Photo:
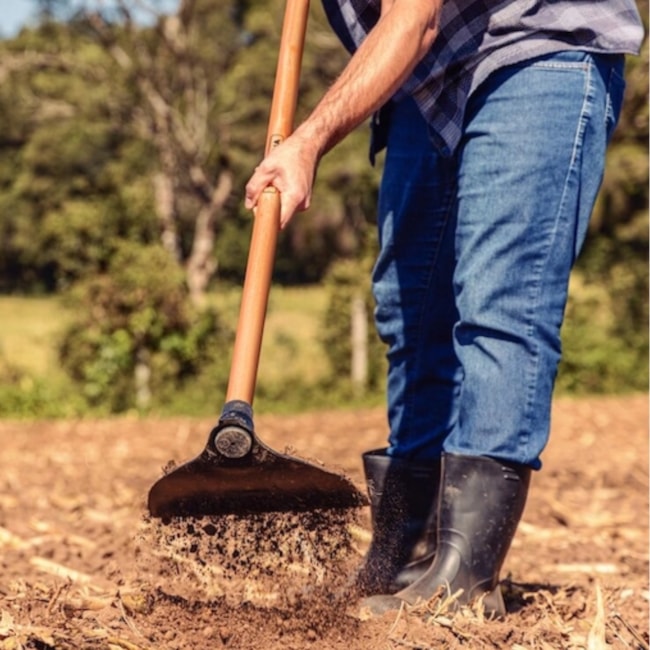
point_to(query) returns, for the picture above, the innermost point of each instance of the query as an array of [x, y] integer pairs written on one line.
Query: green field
[[290, 346], [30, 327], [294, 371]]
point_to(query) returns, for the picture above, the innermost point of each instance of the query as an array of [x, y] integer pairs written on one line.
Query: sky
[[14, 14]]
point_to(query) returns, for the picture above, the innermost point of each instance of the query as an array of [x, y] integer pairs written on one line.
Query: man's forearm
[[399, 40], [385, 59]]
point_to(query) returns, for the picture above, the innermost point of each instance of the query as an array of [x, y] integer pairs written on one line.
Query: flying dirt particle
[[209, 529], [269, 560], [169, 467]]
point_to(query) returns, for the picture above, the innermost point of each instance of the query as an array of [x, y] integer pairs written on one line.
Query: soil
[[82, 566]]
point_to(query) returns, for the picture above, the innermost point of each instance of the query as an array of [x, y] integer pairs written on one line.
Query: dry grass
[[571, 618], [77, 571]]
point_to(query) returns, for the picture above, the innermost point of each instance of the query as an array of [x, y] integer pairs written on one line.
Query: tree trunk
[[359, 339], [201, 263], [176, 120], [164, 196], [142, 379]]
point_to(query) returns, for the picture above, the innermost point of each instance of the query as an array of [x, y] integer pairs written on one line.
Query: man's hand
[[290, 168]]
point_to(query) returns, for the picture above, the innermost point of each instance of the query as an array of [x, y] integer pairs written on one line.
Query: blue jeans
[[475, 254]]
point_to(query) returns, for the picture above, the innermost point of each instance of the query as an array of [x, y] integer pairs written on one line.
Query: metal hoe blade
[[237, 474]]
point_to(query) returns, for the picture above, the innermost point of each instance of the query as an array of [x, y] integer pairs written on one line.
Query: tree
[[135, 338], [72, 182], [174, 76], [154, 130]]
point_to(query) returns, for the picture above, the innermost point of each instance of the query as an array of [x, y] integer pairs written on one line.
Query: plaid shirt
[[477, 37]]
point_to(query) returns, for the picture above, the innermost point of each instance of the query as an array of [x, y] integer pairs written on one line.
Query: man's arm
[[402, 36]]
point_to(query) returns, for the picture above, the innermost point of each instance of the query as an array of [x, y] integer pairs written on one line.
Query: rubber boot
[[403, 505], [481, 502]]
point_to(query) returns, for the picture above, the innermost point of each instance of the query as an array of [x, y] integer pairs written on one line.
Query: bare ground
[[82, 566]]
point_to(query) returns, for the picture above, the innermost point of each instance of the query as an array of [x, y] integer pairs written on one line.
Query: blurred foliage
[[95, 108], [347, 280], [24, 396], [138, 315], [78, 131]]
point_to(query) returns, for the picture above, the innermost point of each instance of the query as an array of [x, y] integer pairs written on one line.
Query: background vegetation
[[124, 148]]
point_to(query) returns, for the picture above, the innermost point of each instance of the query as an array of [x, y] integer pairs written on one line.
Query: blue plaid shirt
[[477, 37]]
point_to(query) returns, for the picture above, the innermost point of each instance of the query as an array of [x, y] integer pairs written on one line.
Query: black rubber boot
[[481, 502], [403, 505]]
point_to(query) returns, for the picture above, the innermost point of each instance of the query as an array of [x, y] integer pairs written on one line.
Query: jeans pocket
[[615, 93]]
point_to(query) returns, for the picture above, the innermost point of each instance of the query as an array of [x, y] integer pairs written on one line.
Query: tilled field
[[82, 567]]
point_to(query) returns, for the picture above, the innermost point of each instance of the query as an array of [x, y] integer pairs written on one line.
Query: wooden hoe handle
[[266, 225]]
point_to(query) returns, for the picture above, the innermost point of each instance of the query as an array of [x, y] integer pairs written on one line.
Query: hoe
[[237, 473]]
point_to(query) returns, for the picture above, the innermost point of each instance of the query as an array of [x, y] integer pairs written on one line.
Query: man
[[495, 116]]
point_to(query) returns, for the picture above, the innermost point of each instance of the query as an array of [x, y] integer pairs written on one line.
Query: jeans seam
[[408, 402], [566, 65], [575, 154]]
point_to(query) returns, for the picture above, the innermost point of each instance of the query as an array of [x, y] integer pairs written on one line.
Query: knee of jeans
[[388, 322]]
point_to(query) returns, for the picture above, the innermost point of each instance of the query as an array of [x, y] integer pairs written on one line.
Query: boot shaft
[[481, 502], [403, 496], [403, 508]]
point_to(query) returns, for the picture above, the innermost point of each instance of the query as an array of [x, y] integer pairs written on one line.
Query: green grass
[[293, 362], [29, 328], [290, 346]]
